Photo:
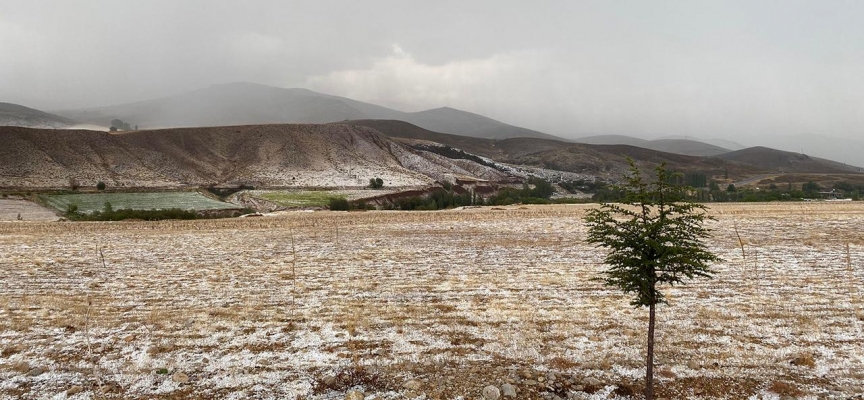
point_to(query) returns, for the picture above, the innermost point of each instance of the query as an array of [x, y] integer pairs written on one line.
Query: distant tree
[[653, 238], [112, 129], [71, 209], [339, 204], [731, 188], [108, 209], [73, 183], [136, 127], [100, 185], [811, 188], [376, 183], [119, 124]]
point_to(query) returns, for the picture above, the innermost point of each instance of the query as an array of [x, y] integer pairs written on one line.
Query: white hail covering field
[[434, 305]]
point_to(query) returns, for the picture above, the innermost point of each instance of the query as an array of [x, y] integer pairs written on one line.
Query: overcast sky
[[724, 69]]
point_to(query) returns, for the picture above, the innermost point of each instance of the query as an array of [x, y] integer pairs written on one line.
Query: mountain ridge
[[242, 103]]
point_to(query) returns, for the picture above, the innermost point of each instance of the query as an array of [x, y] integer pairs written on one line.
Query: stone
[[354, 395], [693, 364], [129, 338], [74, 390], [180, 377], [592, 381], [491, 393], [412, 385], [508, 390], [37, 371], [330, 381]]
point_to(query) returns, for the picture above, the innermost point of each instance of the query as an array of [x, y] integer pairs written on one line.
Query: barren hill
[[248, 103], [688, 147], [18, 115], [262, 155], [784, 161]]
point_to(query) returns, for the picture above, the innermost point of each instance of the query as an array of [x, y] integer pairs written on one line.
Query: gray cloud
[[730, 69]]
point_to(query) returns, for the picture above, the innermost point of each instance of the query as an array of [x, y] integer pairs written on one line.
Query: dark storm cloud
[[731, 69]]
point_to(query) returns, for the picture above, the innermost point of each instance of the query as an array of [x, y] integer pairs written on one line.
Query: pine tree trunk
[[649, 370]]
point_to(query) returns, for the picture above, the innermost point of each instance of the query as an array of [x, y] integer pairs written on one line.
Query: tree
[[100, 185], [654, 237], [376, 183]]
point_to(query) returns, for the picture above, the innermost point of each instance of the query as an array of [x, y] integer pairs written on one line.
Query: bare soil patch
[[435, 304]]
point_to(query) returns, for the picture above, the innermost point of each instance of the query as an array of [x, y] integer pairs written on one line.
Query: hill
[[785, 162], [18, 115], [260, 155], [688, 147], [248, 103], [607, 161]]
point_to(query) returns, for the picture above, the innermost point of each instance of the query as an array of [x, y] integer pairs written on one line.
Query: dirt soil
[[434, 305]]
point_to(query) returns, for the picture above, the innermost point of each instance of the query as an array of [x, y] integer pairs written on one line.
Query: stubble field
[[435, 305]]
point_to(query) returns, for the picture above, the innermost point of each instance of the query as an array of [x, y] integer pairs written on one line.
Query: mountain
[[259, 155], [607, 161], [785, 162], [686, 146], [18, 115], [451, 120], [248, 103], [845, 150], [612, 139]]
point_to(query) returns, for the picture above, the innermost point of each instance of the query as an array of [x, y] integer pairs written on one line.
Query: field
[[89, 202], [13, 208], [434, 305], [313, 198]]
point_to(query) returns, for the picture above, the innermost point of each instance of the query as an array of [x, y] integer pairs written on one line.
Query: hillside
[[262, 156], [248, 103], [18, 115], [688, 147], [784, 161], [607, 161]]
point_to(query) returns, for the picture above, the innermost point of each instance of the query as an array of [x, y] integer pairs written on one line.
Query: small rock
[[180, 377], [491, 393], [37, 371], [592, 381], [330, 381], [508, 390], [693, 364], [526, 374], [412, 385], [354, 395], [74, 390], [264, 362], [129, 338], [530, 382]]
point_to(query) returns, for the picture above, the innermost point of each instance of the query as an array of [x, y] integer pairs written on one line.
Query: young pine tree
[[653, 237]]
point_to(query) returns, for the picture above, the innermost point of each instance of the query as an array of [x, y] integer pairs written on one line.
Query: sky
[[713, 69]]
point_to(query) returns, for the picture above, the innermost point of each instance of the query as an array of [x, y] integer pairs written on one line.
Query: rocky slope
[[18, 115], [258, 155]]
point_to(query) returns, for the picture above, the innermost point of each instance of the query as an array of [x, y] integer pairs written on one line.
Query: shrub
[[100, 185], [339, 204], [376, 183]]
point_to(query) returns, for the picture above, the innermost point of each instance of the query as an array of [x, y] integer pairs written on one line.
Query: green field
[[87, 203], [311, 198]]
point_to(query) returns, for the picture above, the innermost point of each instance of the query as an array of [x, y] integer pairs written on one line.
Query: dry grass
[[461, 299]]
